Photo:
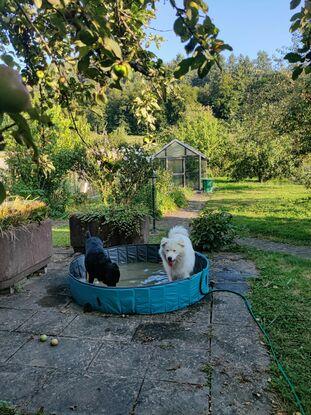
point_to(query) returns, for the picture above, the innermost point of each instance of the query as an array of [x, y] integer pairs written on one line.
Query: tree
[[199, 128], [77, 49], [301, 23], [256, 150]]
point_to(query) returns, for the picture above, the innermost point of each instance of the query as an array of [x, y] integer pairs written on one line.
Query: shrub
[[179, 196], [303, 173], [212, 230], [124, 220], [21, 212]]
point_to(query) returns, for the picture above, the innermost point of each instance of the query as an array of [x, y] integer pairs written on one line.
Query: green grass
[[280, 211], [281, 297], [61, 236]]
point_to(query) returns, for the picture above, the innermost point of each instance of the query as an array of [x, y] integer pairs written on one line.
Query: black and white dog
[[97, 264]]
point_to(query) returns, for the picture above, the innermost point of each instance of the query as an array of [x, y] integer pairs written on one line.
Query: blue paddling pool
[[162, 297]]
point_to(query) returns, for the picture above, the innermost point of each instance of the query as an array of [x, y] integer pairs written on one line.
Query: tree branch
[[7, 127], [179, 13]]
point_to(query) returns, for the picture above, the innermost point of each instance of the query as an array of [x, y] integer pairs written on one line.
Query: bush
[[303, 173], [212, 230], [21, 212], [124, 220], [178, 195]]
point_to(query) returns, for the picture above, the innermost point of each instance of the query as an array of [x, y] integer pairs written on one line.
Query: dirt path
[[183, 216]]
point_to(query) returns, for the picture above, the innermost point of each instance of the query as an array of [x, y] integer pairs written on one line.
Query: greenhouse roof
[[172, 149]]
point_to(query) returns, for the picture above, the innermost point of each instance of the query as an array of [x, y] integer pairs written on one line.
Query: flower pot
[[104, 231], [24, 251]]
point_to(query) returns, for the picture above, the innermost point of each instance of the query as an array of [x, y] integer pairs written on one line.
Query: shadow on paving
[[207, 358]]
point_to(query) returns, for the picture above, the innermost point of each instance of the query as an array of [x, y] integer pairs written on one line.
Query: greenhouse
[[188, 165]]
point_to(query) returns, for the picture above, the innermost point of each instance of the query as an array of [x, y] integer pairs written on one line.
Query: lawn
[[60, 235], [281, 297], [280, 211]]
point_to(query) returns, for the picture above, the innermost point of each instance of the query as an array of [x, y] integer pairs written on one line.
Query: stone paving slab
[[170, 398], [69, 393], [239, 397], [193, 361], [229, 308], [238, 346], [10, 342], [50, 322], [179, 335], [19, 383], [99, 327], [122, 359], [74, 354], [183, 366], [40, 292], [241, 288], [11, 319]]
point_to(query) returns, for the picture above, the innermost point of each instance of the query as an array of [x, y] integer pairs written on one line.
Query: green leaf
[[205, 68], [92, 73], [295, 26], [24, 131], [55, 3], [184, 67], [295, 17], [8, 59], [112, 46], [225, 46], [2, 192], [192, 15], [180, 28], [191, 45], [294, 3], [83, 64], [293, 57], [296, 72], [87, 37], [38, 3], [208, 25], [2, 5], [100, 99]]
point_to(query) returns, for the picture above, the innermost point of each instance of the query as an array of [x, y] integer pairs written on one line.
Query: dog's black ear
[[164, 242]]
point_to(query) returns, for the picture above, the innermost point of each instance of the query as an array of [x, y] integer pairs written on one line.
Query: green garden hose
[[270, 344]]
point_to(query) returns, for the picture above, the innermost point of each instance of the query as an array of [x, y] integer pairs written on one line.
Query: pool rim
[[88, 284]]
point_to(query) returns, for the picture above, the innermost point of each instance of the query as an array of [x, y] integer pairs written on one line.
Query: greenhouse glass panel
[[176, 165], [192, 172], [175, 150]]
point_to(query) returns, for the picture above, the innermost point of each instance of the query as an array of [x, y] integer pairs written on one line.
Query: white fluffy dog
[[177, 254]]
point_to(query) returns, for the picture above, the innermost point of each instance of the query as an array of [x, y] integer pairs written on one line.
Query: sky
[[247, 25]]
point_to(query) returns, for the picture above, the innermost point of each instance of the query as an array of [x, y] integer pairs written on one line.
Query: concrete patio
[[207, 359]]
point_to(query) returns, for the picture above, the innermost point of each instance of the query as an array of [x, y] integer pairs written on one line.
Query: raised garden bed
[[108, 228], [25, 240]]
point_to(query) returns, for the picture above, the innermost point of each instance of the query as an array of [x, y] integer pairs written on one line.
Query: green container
[[207, 185]]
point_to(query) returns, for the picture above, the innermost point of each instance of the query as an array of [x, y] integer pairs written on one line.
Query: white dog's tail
[[178, 230]]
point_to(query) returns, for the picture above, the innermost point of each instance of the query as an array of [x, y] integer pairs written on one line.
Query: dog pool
[[143, 287], [141, 274]]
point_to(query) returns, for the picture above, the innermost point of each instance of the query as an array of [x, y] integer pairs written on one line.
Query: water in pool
[[141, 273]]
